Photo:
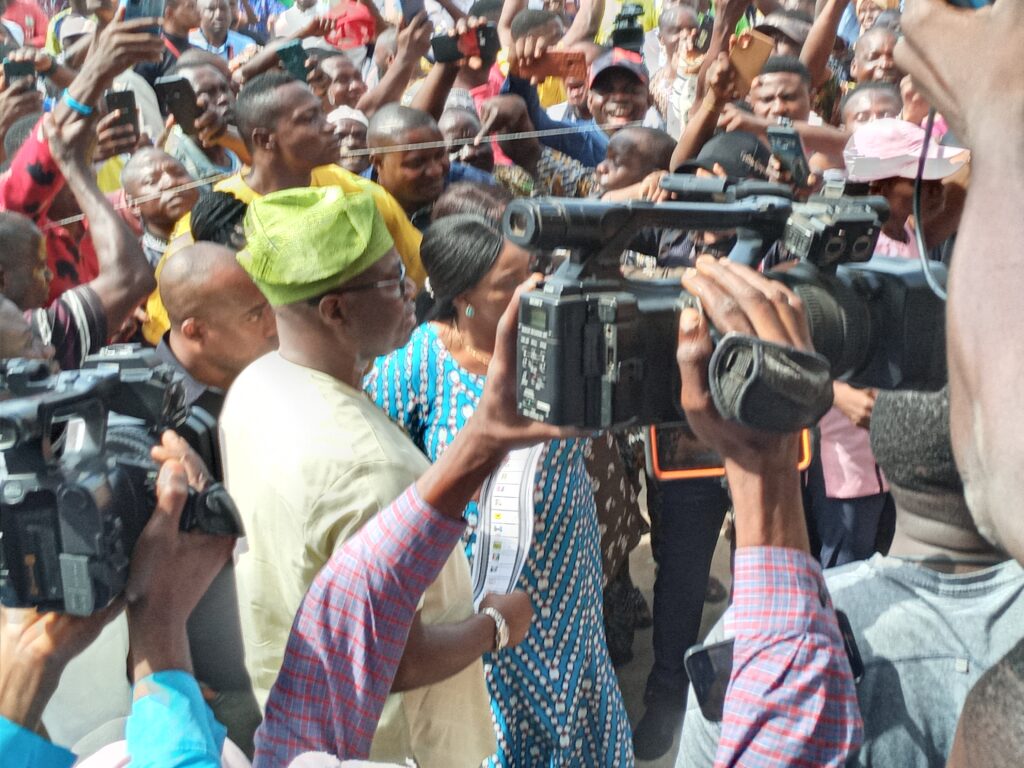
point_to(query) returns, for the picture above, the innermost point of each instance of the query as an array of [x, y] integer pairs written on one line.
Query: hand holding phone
[[481, 42], [748, 56], [177, 98], [123, 102], [293, 57], [144, 9], [16, 70], [786, 145], [569, 65]]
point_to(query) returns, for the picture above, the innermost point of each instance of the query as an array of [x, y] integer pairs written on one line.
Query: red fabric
[[353, 26], [30, 17], [29, 187]]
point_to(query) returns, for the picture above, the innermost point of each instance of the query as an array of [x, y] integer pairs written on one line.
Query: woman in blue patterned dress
[[555, 699]]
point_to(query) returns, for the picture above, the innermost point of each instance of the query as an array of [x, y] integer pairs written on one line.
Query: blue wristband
[[83, 109]]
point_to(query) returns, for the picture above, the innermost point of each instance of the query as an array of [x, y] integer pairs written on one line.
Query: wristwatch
[[500, 627]]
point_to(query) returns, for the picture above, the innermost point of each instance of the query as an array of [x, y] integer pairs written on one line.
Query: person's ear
[[263, 138], [332, 309], [193, 329]]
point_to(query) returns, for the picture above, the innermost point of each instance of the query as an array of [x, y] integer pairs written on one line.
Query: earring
[[469, 310]]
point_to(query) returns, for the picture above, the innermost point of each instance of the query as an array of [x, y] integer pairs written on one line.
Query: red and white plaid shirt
[[791, 698]]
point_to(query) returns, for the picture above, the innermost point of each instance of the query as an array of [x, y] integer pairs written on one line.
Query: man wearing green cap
[[309, 459], [292, 145]]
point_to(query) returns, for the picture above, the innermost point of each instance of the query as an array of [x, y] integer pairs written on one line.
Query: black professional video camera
[[598, 351], [77, 482], [627, 30]]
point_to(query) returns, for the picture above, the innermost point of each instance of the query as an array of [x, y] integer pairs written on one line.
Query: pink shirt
[[847, 462]]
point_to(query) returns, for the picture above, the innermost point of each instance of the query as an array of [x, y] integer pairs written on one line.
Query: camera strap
[[769, 386]]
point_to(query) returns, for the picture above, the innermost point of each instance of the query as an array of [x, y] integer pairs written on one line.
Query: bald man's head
[[390, 123], [220, 322]]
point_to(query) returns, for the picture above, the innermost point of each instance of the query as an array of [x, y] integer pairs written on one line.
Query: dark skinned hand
[[413, 40], [966, 63], [19, 99], [114, 138], [736, 298]]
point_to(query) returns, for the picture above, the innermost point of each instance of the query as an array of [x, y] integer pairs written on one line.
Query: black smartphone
[[710, 667], [293, 59], [144, 9], [482, 41], [786, 145], [702, 41], [970, 3], [410, 8], [125, 102], [177, 98], [16, 70]]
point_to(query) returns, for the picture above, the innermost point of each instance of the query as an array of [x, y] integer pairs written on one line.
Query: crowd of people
[[298, 208]]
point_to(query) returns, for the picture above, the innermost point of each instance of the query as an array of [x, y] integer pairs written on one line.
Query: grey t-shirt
[[925, 638]]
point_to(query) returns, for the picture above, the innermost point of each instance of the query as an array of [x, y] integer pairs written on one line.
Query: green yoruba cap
[[303, 242]]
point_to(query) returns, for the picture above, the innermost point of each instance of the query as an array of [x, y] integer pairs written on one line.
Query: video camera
[[627, 30], [76, 479], [597, 351]]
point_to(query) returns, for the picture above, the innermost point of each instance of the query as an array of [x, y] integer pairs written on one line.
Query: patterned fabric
[[614, 472], [554, 698], [559, 175], [29, 187], [75, 324], [350, 633], [791, 699]]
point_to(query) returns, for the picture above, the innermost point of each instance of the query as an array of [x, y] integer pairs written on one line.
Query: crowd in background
[[298, 208]]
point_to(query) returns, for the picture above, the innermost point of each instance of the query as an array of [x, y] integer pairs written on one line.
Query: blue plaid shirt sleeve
[[791, 698], [350, 633]]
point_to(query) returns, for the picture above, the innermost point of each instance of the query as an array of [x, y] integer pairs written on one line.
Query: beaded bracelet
[[83, 109]]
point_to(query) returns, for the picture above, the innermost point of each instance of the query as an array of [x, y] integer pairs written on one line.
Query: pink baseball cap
[[888, 148]]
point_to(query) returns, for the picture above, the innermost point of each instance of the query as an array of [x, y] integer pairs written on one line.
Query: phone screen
[[410, 8]]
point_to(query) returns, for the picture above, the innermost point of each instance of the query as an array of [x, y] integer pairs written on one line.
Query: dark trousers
[[846, 530], [686, 518]]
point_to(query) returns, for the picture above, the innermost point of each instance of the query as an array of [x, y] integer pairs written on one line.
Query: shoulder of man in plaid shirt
[[791, 698], [350, 632]]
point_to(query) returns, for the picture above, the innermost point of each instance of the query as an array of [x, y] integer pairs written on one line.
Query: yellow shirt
[[308, 460], [407, 238]]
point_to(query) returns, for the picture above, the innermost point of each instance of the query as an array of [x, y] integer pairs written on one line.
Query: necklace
[[481, 357]]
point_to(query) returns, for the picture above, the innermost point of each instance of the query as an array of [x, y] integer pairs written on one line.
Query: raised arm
[[821, 40], [125, 276], [412, 45], [791, 697], [586, 24], [702, 123]]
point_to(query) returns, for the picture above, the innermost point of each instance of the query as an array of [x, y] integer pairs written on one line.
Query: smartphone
[[16, 70], [786, 145], [482, 41], [144, 9], [293, 58], [748, 57], [125, 102], [177, 98], [702, 41], [565, 64], [410, 8], [970, 3], [710, 667]]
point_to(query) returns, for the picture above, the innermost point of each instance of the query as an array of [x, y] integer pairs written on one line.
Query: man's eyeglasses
[[386, 284]]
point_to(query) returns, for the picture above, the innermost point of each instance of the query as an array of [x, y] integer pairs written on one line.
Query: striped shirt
[[350, 633], [791, 698]]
